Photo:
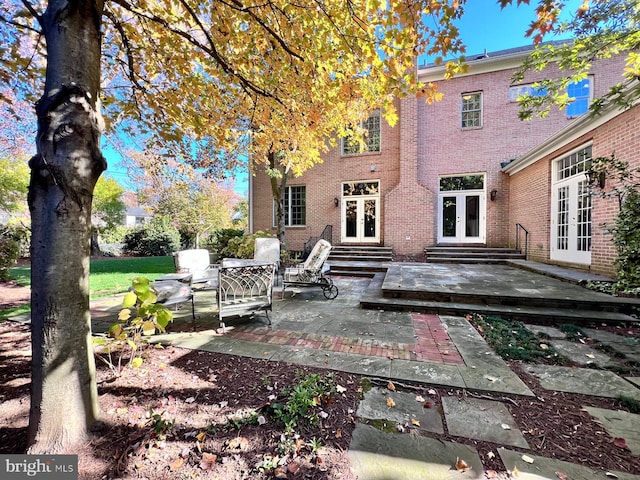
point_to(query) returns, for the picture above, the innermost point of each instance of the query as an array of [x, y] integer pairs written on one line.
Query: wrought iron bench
[[244, 289]]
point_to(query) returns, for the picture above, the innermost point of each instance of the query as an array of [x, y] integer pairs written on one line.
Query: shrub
[[113, 234], [20, 234], [626, 238], [155, 238], [243, 247], [9, 254], [219, 241]]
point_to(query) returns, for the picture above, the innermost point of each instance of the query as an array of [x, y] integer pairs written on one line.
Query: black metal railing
[[520, 227], [327, 234]]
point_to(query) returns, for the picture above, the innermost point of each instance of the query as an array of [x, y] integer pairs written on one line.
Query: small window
[[372, 137], [471, 110], [295, 206], [574, 164], [581, 93]]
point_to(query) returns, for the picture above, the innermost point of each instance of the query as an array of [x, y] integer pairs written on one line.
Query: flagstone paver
[[405, 410], [619, 424], [546, 331], [581, 354], [377, 455], [545, 468], [624, 344], [599, 383], [480, 419]]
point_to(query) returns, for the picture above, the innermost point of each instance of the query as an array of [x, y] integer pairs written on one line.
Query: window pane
[[465, 182], [372, 138], [471, 110], [580, 91]]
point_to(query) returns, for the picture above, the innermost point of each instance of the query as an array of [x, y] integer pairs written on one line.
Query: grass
[[513, 341], [107, 277]]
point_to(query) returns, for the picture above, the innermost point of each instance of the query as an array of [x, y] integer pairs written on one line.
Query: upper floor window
[[372, 137], [581, 92], [471, 110], [295, 206]]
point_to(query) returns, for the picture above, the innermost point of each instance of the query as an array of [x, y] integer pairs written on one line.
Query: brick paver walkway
[[432, 342]]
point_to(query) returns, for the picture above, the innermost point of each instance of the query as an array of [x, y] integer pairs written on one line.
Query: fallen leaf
[[527, 458], [293, 468], [238, 443], [201, 436], [491, 474], [261, 420], [590, 355], [427, 404], [340, 389], [280, 472], [611, 475], [461, 465], [515, 472], [190, 400], [415, 422], [620, 442], [400, 427], [419, 398], [505, 426], [176, 464], [339, 433], [391, 386], [390, 402], [432, 392], [208, 461], [491, 455], [561, 476], [544, 346]]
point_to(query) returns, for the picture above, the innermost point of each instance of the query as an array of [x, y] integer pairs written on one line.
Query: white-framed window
[[582, 93], [372, 137], [295, 206], [471, 110]]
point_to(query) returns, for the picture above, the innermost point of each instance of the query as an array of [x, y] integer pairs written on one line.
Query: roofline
[[483, 63]]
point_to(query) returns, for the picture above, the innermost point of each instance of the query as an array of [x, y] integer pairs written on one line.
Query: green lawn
[[108, 276]]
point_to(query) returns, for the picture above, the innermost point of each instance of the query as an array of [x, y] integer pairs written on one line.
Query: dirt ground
[[183, 413]]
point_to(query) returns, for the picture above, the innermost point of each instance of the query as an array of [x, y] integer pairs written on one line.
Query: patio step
[[359, 260], [375, 299], [470, 254]]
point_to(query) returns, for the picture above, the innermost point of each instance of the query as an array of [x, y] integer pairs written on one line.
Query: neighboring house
[[136, 216], [460, 171]]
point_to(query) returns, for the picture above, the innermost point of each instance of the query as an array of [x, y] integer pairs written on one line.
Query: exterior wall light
[[336, 201], [493, 195]]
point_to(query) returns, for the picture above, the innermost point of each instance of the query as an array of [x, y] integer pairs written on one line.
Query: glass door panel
[[449, 217], [351, 219], [370, 215]]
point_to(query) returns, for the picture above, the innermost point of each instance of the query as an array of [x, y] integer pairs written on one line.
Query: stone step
[[346, 257], [373, 299], [472, 260], [461, 255], [512, 300]]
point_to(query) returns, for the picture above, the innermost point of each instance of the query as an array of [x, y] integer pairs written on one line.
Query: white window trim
[[366, 152], [477, 92], [273, 210]]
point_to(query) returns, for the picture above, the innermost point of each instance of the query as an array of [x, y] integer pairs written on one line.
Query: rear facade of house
[[467, 171]]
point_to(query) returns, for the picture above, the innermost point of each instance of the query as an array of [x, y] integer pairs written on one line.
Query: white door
[[360, 212], [571, 221], [461, 217], [360, 220]]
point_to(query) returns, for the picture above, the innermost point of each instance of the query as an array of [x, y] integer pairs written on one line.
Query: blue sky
[[484, 26]]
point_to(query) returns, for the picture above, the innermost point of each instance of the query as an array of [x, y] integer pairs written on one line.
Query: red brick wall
[[324, 183], [445, 148], [531, 187]]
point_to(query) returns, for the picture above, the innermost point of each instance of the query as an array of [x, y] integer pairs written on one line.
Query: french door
[[461, 210], [571, 209], [360, 212]]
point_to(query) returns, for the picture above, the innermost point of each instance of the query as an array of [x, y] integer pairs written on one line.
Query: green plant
[[310, 392], [157, 237], [573, 332], [9, 254], [626, 238], [139, 318], [314, 444], [113, 234], [220, 239], [159, 424], [243, 246], [631, 403], [513, 341]]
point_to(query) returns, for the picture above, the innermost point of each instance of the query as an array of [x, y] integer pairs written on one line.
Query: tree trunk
[[277, 190], [63, 175]]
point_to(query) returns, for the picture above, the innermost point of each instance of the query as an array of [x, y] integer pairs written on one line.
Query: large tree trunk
[[64, 172], [278, 191]]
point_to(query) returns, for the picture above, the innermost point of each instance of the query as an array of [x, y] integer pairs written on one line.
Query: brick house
[[461, 171]]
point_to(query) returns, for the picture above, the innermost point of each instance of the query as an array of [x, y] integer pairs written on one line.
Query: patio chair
[[312, 272], [196, 262]]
